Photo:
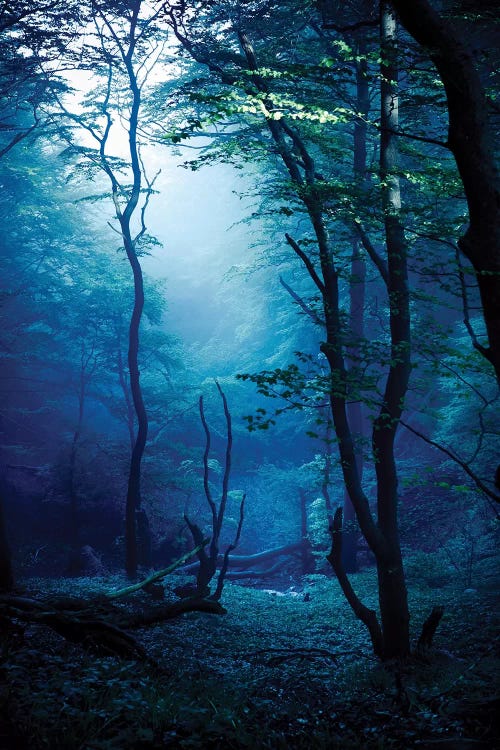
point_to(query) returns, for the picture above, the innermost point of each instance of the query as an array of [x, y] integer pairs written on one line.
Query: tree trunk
[[471, 140], [384, 545], [392, 588], [305, 551], [365, 614], [134, 479], [133, 503], [122, 376], [381, 536], [75, 562], [357, 307], [246, 561]]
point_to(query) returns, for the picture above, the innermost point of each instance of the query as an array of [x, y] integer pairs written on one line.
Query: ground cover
[[282, 669]]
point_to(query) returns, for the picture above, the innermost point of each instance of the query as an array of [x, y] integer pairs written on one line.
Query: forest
[[250, 371]]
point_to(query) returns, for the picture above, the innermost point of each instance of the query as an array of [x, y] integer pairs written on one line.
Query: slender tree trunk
[[133, 503], [357, 307], [325, 484], [471, 140], [122, 376], [75, 566], [134, 479], [392, 587]]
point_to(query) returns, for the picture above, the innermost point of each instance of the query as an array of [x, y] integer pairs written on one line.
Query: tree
[[471, 140], [392, 638], [208, 563], [124, 47], [241, 56], [64, 307], [24, 96]]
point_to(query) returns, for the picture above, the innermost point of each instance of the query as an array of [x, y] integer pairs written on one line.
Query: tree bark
[[471, 140], [392, 588], [87, 367], [122, 377], [350, 533], [363, 613], [133, 502], [429, 628]]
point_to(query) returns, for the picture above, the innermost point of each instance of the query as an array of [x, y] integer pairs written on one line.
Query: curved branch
[[206, 453], [367, 616], [307, 262], [227, 466], [477, 481], [314, 316], [377, 259]]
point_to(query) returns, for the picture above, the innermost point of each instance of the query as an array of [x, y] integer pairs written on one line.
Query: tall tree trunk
[[75, 563], [357, 307], [87, 367], [392, 589], [471, 140], [382, 537], [133, 505], [122, 376]]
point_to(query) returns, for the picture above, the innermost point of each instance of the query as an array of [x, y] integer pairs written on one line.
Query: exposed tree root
[[282, 655]]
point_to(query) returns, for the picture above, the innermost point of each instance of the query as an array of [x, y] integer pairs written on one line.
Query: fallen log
[[171, 611], [238, 575], [81, 626], [245, 561], [156, 576], [98, 636], [90, 626]]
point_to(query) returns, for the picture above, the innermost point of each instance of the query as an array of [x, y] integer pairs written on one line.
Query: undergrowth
[[281, 670]]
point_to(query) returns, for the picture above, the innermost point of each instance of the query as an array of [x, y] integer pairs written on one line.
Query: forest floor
[[290, 669]]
